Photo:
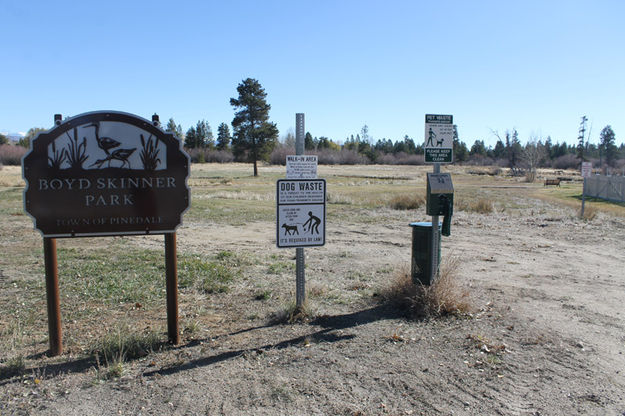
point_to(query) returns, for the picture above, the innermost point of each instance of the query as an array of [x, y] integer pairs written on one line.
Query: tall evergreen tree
[[607, 144], [223, 136], [324, 143], [478, 148], [499, 151], [190, 138], [204, 134], [254, 136], [309, 142], [174, 128]]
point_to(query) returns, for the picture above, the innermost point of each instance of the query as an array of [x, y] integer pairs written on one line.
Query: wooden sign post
[[106, 174]]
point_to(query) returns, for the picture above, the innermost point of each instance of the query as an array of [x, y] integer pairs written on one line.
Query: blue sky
[[536, 66]]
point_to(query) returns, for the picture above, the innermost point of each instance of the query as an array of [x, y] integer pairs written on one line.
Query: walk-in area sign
[[301, 212], [439, 138], [301, 167]]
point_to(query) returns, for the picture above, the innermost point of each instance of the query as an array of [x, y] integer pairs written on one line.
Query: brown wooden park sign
[[106, 174]]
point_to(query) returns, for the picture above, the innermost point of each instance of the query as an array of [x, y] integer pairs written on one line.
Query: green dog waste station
[[421, 264], [426, 244]]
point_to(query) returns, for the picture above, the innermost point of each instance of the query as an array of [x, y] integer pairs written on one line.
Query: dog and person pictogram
[[431, 138], [312, 224]]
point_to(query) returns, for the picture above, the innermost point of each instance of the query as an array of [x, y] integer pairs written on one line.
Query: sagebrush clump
[[444, 297]]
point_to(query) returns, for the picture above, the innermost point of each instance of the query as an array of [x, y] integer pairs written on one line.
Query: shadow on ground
[[323, 326]]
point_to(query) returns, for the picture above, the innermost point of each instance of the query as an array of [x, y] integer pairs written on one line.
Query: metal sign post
[[438, 147], [300, 277], [435, 237]]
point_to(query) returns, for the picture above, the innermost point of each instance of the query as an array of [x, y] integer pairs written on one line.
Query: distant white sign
[[586, 169], [301, 167], [301, 213], [439, 138]]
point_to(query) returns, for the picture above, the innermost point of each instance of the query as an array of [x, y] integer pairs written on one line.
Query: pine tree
[[254, 136], [223, 136], [607, 145], [190, 139], [309, 143], [174, 128], [204, 135]]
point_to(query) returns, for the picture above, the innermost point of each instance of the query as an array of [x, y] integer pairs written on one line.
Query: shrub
[[279, 154], [479, 160], [444, 297], [481, 206], [568, 161], [400, 158], [11, 155], [219, 156], [199, 155], [405, 202]]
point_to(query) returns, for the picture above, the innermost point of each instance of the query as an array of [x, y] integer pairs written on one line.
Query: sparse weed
[[264, 295], [120, 346], [280, 267], [444, 297], [205, 277], [191, 328], [14, 366], [293, 314], [317, 291]]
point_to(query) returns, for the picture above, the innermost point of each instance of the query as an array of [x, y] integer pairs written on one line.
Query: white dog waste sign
[[301, 212]]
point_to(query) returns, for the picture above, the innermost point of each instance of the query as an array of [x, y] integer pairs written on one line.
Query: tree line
[[254, 138]]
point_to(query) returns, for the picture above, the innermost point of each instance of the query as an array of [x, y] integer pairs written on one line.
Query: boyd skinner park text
[[95, 199]]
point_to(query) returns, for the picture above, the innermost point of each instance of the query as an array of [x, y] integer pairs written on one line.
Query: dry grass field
[[530, 320]]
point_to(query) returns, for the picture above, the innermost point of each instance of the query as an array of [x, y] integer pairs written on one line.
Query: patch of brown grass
[[445, 297], [406, 202], [293, 314], [481, 206], [589, 213]]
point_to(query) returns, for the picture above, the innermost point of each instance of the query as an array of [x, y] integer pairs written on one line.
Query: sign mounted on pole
[[586, 169], [301, 212], [301, 167], [439, 138], [102, 174], [106, 173]]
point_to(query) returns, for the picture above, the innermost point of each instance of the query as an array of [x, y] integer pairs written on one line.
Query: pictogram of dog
[[290, 229]]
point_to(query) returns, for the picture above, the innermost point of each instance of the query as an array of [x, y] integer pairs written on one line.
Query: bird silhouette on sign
[[119, 154], [104, 143]]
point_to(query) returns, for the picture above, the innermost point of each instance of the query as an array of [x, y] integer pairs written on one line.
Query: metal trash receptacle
[[421, 257]]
